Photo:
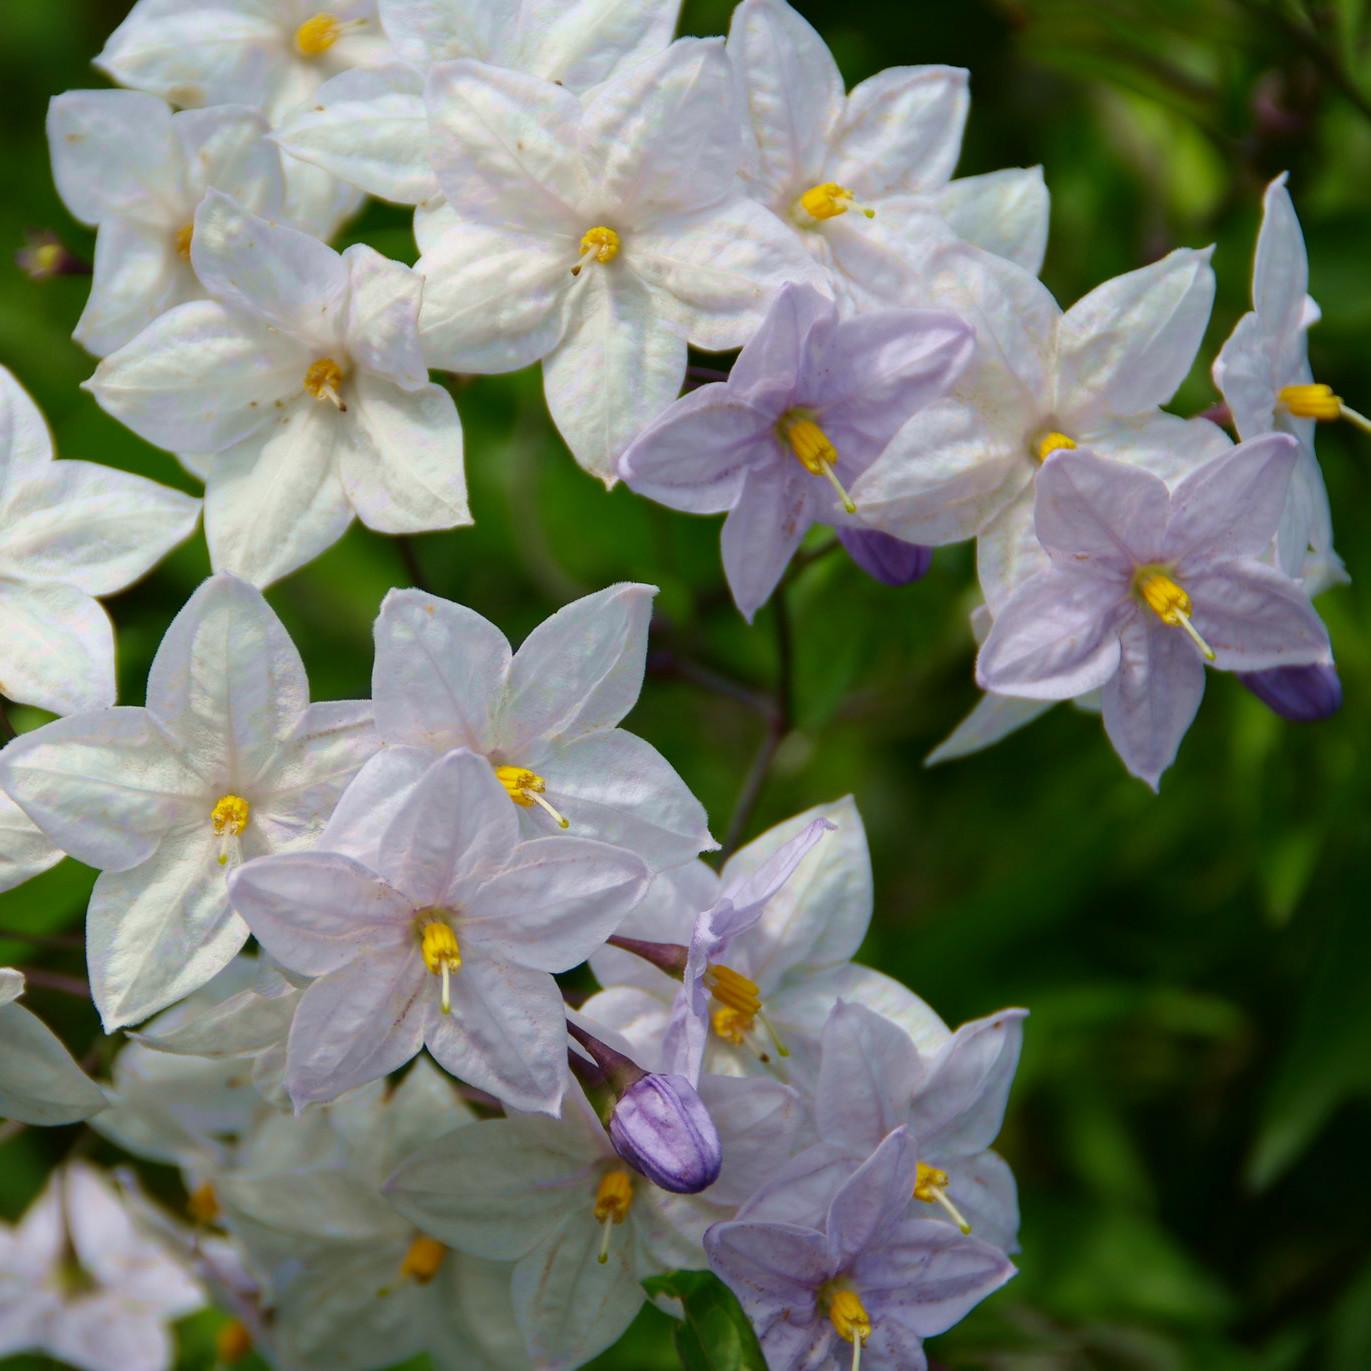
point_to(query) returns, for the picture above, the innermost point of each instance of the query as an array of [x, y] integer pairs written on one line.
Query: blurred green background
[[1190, 1129]]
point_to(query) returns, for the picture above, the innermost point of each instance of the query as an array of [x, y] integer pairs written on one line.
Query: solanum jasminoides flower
[[865, 1288], [39, 1081], [809, 407], [862, 179], [442, 933], [598, 234], [1263, 373], [1145, 586], [297, 391], [544, 718], [228, 760]]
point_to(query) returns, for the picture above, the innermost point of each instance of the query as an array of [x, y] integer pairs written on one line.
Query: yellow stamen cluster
[[184, 235], [1050, 443], [598, 244], [202, 1204], [813, 449], [1169, 601], [441, 954], [232, 1343], [229, 818], [740, 1006], [1310, 402], [526, 789], [324, 381], [422, 1260], [317, 35], [930, 1186], [613, 1200], [826, 201]]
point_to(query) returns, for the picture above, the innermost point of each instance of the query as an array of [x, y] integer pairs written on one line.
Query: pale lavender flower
[[811, 403], [1145, 586], [869, 1287]]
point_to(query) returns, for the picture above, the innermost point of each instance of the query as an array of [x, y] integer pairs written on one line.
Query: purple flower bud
[[1303, 694], [884, 558], [661, 1128]]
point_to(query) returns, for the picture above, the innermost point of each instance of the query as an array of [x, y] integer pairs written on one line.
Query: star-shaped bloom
[[80, 1282], [1263, 373], [369, 126], [544, 718], [125, 164], [69, 531], [869, 1286], [444, 935], [1043, 381], [596, 233], [228, 760], [39, 1081], [302, 380], [1145, 585], [863, 178], [810, 405]]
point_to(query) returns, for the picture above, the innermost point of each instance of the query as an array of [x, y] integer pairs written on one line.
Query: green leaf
[[715, 1334]]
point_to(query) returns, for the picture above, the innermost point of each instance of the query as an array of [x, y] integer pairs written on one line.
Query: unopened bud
[[884, 557], [661, 1128], [1303, 694]]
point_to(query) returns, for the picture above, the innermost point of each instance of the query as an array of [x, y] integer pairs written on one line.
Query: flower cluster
[[341, 925]]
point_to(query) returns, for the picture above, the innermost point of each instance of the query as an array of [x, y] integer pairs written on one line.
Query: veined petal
[[1151, 700], [427, 31], [1245, 374], [1108, 515], [1005, 212], [1164, 444], [25, 443], [25, 852], [1128, 344], [579, 43], [371, 800], [1280, 272], [93, 527], [762, 531], [1231, 506], [161, 929], [200, 379], [59, 647], [792, 94], [580, 670], [1008, 552], [873, 1199], [662, 136], [226, 147], [381, 324], [1254, 617], [1056, 637], [137, 277], [401, 458], [618, 366], [960, 1108], [901, 131], [368, 127], [867, 1076], [993, 718]]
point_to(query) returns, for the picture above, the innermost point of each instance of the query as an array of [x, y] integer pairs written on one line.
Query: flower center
[[526, 788], [849, 1318], [184, 235], [320, 32], [229, 818], [930, 1186], [323, 381], [1167, 599], [739, 1008], [1050, 443], [827, 200], [813, 449], [613, 1200], [598, 244], [438, 947], [202, 1204], [422, 1260]]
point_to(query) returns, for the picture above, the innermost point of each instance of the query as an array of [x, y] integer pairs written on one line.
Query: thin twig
[[63, 940], [7, 730], [409, 555], [56, 980]]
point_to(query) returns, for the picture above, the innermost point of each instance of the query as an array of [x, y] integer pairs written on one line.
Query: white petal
[[617, 368], [1008, 551], [317, 202], [1280, 273], [25, 444], [580, 43], [381, 328], [1004, 212], [1246, 377], [137, 277], [25, 851], [401, 461], [93, 527], [993, 718], [40, 1083], [226, 147], [427, 31], [59, 647]]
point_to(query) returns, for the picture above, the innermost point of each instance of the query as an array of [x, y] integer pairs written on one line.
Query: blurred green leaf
[[715, 1334]]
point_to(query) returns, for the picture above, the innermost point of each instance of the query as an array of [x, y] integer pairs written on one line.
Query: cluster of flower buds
[[396, 1134]]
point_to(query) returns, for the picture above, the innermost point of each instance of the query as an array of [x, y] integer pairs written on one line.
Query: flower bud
[[661, 1128], [1303, 694], [884, 558]]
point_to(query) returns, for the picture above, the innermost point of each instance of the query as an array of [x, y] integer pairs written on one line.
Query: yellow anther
[[324, 380], [930, 1186], [526, 788], [184, 235], [229, 818], [826, 201], [232, 1343], [422, 1260], [613, 1200], [441, 954], [599, 244], [202, 1204], [740, 1007], [730, 1025], [1170, 603], [1310, 402], [1050, 443], [813, 449], [319, 33]]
